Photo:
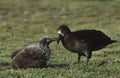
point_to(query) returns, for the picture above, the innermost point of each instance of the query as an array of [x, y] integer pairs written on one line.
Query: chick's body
[[32, 55]]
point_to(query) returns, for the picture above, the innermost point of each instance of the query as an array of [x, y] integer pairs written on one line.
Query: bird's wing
[[15, 52], [90, 35], [33, 53]]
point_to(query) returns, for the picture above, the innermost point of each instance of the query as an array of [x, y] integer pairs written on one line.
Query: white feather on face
[[59, 32]]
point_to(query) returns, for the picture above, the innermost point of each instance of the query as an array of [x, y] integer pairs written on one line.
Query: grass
[[24, 22]]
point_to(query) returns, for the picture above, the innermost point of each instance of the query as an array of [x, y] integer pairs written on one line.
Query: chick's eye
[[48, 40]]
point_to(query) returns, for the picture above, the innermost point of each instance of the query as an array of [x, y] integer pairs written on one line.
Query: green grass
[[24, 22]]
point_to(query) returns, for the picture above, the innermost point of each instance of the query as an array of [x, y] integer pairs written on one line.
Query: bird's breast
[[74, 45]]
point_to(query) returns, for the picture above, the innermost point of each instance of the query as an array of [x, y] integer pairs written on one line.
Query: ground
[[24, 22]]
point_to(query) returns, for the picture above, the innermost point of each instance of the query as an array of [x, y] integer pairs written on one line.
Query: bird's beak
[[59, 38], [54, 39]]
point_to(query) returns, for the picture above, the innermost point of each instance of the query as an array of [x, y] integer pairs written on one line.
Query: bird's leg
[[88, 55], [87, 61], [79, 57]]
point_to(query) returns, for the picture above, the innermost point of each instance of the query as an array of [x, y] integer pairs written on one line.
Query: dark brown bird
[[83, 42], [32, 55]]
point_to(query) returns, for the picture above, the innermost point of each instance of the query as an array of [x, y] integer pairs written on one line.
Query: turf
[[24, 22]]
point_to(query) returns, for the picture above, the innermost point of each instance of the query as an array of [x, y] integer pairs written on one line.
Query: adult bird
[[32, 55], [82, 42]]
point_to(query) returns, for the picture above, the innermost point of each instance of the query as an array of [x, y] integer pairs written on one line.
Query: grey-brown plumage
[[83, 42], [32, 55]]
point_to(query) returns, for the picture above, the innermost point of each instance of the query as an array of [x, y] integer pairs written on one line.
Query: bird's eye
[[48, 40]]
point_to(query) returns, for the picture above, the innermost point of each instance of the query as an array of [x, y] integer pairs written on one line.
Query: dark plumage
[[83, 42], [15, 52], [32, 55]]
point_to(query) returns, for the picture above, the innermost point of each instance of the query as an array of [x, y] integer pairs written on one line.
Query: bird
[[32, 55], [83, 42]]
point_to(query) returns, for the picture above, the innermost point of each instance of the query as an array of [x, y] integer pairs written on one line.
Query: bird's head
[[46, 40], [62, 31]]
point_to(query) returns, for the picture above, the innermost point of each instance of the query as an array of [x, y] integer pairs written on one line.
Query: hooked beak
[[59, 38]]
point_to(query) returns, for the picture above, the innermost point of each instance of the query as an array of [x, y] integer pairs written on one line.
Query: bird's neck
[[67, 33]]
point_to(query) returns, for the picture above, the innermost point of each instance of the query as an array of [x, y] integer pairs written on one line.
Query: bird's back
[[89, 34], [93, 38], [86, 39], [38, 52]]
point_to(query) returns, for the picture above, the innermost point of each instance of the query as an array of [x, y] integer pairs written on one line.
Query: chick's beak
[[54, 39], [59, 38]]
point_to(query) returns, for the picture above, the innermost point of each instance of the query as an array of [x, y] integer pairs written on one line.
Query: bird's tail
[[114, 41]]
